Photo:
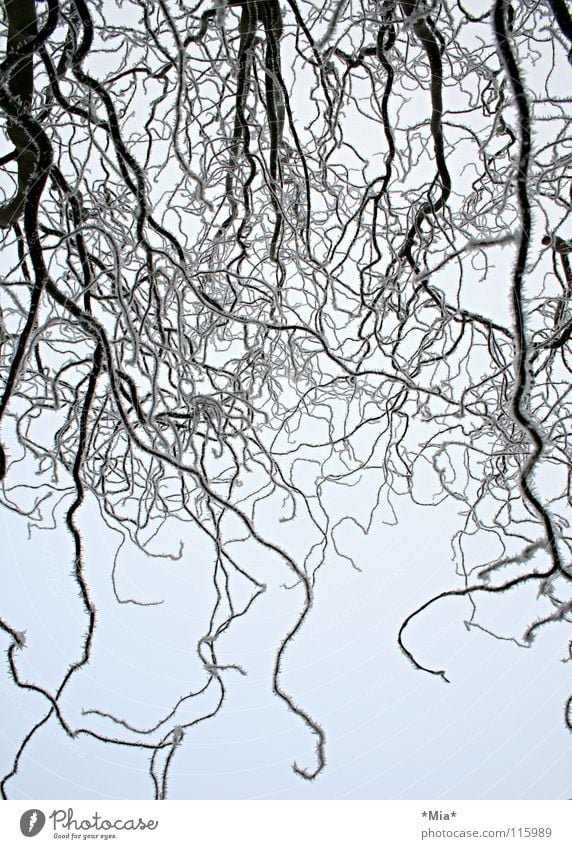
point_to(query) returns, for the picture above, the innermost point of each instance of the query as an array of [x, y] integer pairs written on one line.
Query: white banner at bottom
[[288, 824]]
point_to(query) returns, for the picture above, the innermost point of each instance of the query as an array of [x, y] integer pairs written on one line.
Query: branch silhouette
[[254, 293]]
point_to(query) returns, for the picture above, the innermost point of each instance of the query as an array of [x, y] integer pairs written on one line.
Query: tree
[[253, 262]]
